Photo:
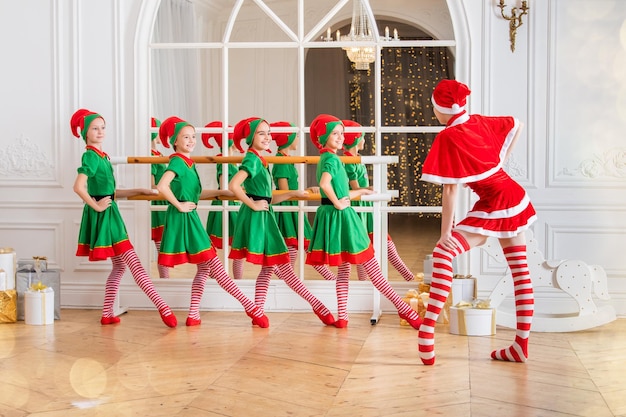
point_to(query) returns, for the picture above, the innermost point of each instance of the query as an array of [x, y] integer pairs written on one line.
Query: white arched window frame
[[303, 41]]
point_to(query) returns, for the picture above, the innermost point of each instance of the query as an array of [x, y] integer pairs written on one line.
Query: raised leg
[[285, 271], [143, 281]]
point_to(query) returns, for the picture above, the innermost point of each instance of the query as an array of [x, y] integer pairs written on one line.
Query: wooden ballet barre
[[387, 159], [310, 197]]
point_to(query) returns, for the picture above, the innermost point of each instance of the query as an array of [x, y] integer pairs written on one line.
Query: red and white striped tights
[[164, 271], [130, 259], [286, 273], [372, 268], [214, 268], [323, 270], [394, 259], [440, 289]]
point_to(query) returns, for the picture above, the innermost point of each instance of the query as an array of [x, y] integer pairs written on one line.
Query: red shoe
[[109, 320], [169, 320], [327, 319], [415, 323], [262, 321], [193, 322], [341, 324]]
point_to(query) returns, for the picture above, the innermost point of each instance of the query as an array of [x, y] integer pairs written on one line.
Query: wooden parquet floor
[[298, 367]]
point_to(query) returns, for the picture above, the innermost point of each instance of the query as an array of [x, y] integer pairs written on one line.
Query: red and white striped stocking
[[524, 305], [143, 281], [197, 289], [439, 291], [286, 273], [397, 262], [237, 268], [325, 272], [262, 285], [361, 273], [164, 271], [111, 289], [342, 285], [404, 310]]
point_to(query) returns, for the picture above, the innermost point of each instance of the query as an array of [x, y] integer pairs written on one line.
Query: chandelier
[[360, 31]]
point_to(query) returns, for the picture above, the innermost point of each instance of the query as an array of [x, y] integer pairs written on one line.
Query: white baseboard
[[176, 292]]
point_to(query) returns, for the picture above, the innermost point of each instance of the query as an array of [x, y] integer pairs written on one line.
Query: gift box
[[470, 321], [418, 300], [8, 265], [6, 283], [464, 288], [51, 278], [32, 264], [8, 306], [39, 306]]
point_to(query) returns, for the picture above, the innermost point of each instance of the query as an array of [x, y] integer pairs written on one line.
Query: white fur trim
[[455, 109]]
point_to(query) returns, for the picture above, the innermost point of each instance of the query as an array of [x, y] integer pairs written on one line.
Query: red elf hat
[[217, 137], [450, 96], [283, 139], [169, 130], [351, 139], [80, 121], [245, 129], [321, 127], [154, 123]]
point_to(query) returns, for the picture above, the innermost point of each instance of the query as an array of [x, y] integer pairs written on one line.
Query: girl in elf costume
[[214, 220], [184, 238], [102, 232], [357, 176], [257, 238], [339, 237], [471, 150], [157, 218], [286, 178]]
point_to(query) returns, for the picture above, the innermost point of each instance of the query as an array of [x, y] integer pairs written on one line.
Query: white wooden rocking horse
[[574, 277]]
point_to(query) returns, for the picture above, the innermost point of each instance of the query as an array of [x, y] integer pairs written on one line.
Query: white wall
[[564, 80]]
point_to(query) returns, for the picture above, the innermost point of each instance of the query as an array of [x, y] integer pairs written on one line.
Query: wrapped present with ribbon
[[464, 288], [39, 305], [34, 264], [8, 306], [4, 280], [473, 319], [29, 280], [8, 263]]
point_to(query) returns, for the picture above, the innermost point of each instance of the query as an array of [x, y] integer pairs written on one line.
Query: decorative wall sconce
[[514, 19]]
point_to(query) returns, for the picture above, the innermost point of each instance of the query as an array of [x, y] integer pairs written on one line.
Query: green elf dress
[[257, 238], [102, 234], [184, 237], [288, 221], [338, 236], [157, 217], [214, 221], [358, 173]]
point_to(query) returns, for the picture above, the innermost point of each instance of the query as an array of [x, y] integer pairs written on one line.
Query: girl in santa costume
[[286, 178], [471, 150], [339, 237], [257, 238], [214, 220], [358, 178], [157, 218], [102, 232], [184, 237]]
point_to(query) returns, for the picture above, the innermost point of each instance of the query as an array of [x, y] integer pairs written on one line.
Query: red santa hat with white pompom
[[450, 96]]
